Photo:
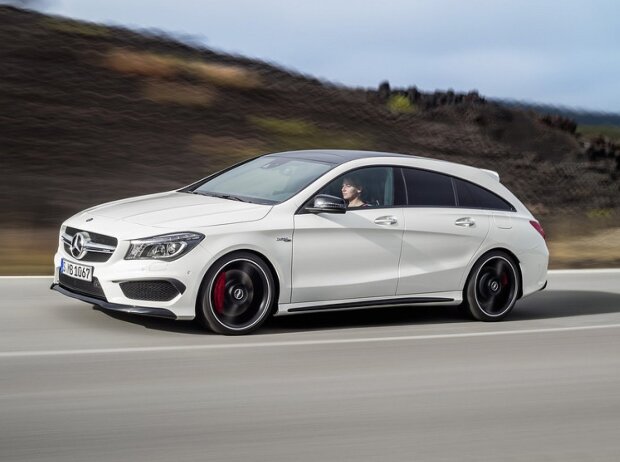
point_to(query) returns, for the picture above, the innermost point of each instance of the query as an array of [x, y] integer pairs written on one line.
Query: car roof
[[336, 156], [343, 156]]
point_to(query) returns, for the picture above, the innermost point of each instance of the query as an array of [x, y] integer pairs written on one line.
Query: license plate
[[68, 268]]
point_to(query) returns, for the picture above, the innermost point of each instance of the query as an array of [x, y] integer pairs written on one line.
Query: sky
[[565, 53]]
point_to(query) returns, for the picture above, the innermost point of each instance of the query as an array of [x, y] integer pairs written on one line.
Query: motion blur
[[92, 113]]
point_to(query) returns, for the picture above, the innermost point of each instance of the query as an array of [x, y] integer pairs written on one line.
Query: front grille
[[92, 289], [95, 238], [154, 291], [92, 257]]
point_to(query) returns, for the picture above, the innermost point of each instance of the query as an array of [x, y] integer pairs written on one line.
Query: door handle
[[387, 220], [466, 222]]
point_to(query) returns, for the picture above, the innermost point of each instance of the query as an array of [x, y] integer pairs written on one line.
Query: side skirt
[[369, 304]]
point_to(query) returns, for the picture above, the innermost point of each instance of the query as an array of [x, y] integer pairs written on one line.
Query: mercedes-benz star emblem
[[238, 294], [78, 244]]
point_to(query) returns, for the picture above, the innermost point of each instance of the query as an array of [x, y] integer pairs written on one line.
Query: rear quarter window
[[428, 189], [476, 197]]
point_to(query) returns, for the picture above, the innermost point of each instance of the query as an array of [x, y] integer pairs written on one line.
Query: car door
[[351, 255], [440, 239]]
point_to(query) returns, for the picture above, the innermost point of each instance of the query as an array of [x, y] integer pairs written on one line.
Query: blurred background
[[92, 111]]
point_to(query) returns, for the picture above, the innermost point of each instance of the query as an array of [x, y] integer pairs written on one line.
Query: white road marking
[[293, 343], [585, 271]]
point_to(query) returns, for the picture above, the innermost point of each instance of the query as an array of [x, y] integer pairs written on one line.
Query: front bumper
[[111, 277], [142, 310]]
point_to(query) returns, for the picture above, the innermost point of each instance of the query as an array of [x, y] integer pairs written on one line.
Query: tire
[[237, 294], [492, 287]]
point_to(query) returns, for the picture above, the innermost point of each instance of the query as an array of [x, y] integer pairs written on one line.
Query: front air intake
[[92, 289], [153, 291]]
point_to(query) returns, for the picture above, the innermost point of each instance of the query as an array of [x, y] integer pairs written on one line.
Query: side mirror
[[324, 203]]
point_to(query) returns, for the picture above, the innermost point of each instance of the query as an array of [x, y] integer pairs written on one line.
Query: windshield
[[266, 180]]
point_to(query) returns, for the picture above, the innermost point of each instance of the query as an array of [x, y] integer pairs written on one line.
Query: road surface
[[406, 384]]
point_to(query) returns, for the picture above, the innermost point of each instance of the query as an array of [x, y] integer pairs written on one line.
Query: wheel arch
[[270, 265], [274, 273], [511, 254]]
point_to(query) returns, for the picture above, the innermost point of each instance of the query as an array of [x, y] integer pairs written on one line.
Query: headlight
[[165, 247]]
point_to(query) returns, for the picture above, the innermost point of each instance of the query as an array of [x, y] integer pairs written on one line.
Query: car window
[[364, 187], [473, 196], [268, 179], [428, 189]]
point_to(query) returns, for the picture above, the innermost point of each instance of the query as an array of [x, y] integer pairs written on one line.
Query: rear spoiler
[[491, 173]]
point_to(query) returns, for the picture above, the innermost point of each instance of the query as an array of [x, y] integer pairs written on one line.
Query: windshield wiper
[[232, 198], [221, 196]]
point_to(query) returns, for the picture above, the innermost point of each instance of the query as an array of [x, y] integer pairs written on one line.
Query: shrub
[[400, 104]]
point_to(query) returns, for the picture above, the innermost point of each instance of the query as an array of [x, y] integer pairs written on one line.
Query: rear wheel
[[237, 294], [492, 287]]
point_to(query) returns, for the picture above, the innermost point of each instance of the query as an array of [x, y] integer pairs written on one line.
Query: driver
[[352, 192]]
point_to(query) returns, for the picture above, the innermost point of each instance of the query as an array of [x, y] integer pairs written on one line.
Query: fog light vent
[[154, 291]]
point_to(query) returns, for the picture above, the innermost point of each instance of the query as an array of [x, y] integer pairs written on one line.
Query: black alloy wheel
[[493, 285], [237, 294]]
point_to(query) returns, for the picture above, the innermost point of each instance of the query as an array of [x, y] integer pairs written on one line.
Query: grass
[[601, 249], [285, 127], [591, 131], [288, 134], [223, 151], [25, 251], [178, 93], [159, 65], [75, 27], [600, 213]]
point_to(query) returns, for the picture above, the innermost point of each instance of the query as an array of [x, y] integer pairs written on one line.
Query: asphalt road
[[416, 384]]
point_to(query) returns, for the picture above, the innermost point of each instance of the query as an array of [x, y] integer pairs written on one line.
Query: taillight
[[538, 228]]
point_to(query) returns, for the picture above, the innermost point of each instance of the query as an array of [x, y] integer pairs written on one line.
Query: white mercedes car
[[303, 231]]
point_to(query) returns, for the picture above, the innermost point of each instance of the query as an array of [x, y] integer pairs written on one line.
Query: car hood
[[179, 210]]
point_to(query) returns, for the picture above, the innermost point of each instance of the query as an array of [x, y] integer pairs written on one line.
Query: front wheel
[[237, 294], [492, 288]]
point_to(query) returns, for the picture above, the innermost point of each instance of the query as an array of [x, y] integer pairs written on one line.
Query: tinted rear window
[[476, 197], [428, 189]]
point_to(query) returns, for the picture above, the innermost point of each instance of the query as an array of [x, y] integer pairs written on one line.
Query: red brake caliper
[[218, 292], [504, 279]]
